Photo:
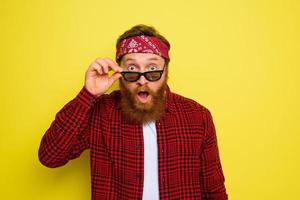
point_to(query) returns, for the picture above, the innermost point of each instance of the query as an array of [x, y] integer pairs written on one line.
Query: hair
[[142, 29]]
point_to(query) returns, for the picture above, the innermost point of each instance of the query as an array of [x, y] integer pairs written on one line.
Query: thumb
[[114, 77]]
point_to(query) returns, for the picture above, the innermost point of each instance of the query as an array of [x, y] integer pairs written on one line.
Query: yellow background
[[239, 58]]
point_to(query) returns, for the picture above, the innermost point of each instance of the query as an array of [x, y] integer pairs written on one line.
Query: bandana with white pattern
[[142, 44]]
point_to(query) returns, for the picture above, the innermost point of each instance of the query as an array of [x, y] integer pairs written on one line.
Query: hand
[[97, 81]]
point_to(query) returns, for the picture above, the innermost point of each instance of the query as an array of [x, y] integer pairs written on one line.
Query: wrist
[[90, 91]]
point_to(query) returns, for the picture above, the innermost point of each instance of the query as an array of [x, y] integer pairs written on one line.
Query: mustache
[[144, 88]]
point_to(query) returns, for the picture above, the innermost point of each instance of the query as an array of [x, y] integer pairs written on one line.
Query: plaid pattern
[[188, 157]]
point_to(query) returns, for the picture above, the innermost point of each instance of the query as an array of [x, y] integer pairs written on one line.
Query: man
[[145, 141]]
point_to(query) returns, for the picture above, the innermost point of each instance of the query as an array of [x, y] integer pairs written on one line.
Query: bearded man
[[145, 141]]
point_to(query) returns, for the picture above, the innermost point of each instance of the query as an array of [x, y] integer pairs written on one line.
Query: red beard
[[138, 112]]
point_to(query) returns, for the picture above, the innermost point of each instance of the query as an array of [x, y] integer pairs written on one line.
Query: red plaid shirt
[[188, 157]]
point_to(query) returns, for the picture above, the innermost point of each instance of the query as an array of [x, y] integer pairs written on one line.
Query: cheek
[[130, 86], [156, 85], [160, 82]]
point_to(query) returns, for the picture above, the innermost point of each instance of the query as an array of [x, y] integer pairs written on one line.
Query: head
[[143, 100]]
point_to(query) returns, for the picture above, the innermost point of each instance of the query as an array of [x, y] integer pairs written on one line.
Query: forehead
[[142, 58]]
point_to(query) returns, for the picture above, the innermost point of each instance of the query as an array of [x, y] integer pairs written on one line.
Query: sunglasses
[[131, 76]]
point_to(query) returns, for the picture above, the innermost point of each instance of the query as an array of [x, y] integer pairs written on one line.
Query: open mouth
[[143, 96]]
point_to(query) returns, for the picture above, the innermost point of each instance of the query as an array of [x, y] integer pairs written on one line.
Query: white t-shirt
[[151, 189]]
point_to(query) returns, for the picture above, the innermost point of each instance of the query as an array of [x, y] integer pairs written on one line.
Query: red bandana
[[142, 44]]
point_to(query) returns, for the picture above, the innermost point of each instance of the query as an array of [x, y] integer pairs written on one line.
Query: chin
[[144, 106]]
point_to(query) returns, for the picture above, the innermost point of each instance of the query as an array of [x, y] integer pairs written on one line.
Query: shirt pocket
[[189, 143]]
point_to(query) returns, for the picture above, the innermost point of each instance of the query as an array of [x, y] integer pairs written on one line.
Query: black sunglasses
[[131, 76]]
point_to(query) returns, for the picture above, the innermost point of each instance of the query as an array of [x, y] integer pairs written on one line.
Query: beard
[[138, 112]]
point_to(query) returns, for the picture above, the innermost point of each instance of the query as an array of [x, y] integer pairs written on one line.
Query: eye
[[131, 68], [152, 68]]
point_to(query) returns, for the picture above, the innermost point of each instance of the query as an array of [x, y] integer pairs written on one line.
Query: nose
[[142, 80]]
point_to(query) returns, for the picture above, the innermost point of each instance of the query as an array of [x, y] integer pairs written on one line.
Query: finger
[[105, 68], [97, 67], [114, 77], [103, 64], [113, 65]]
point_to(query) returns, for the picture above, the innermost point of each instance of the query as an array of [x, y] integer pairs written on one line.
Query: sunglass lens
[[153, 76], [131, 76]]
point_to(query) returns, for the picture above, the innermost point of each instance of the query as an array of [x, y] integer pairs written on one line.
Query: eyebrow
[[153, 59], [132, 59]]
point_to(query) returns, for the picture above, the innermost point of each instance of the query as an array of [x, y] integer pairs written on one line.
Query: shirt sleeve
[[68, 135], [211, 174]]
